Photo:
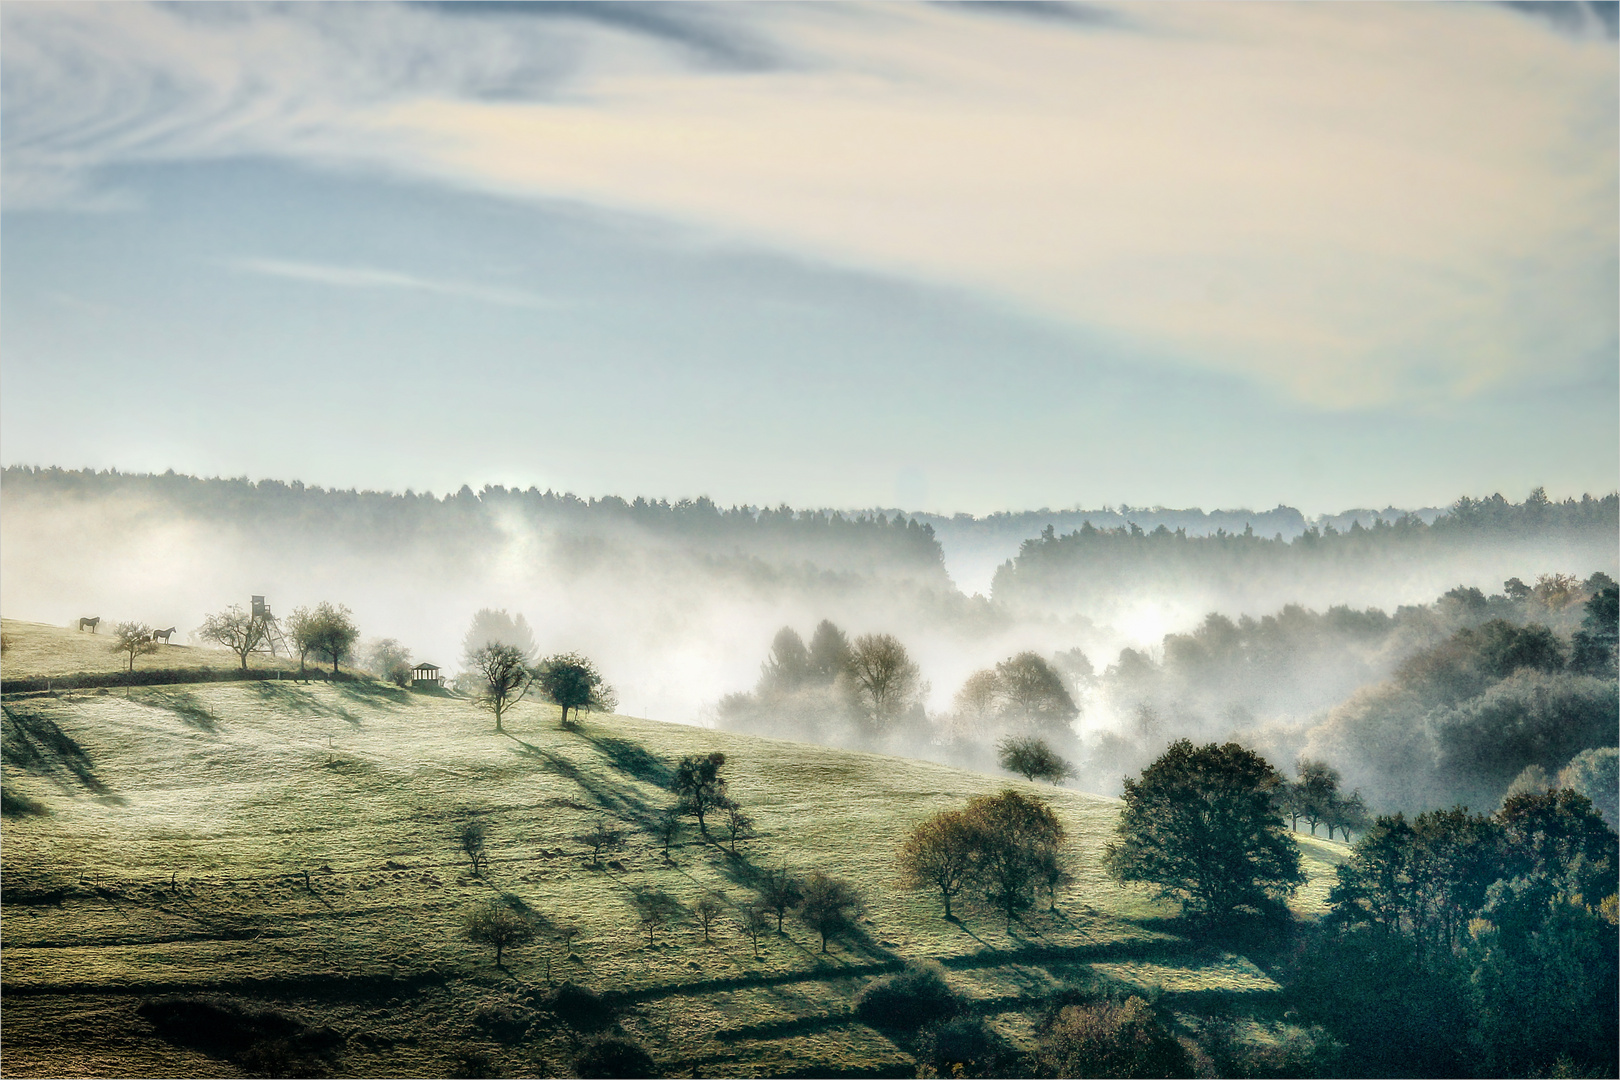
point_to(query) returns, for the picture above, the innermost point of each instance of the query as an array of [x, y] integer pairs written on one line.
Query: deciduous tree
[[700, 787], [1014, 837], [885, 677], [1200, 825], [495, 923], [571, 681], [236, 630], [939, 854], [1032, 759], [502, 679], [334, 633], [829, 905], [133, 639]]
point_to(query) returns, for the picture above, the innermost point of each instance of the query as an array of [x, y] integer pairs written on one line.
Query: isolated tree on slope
[[570, 681], [829, 905], [235, 629], [700, 787], [496, 924], [301, 627], [1033, 760], [503, 679], [333, 633], [133, 639]]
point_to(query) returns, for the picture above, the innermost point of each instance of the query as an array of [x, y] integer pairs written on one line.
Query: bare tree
[[496, 924], [133, 639], [738, 825], [602, 837], [754, 920], [829, 905], [780, 893], [472, 845], [939, 854], [667, 827], [235, 629], [886, 679], [656, 910], [707, 911], [503, 679]]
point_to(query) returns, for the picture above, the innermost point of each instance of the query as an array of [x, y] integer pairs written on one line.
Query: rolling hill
[[291, 848]]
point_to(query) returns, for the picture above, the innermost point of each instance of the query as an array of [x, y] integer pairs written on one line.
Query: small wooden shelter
[[426, 674]]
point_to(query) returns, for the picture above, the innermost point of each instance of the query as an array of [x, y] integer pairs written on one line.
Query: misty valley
[[310, 782]]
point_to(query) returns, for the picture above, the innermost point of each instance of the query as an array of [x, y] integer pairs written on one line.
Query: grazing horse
[[91, 623], [164, 634]]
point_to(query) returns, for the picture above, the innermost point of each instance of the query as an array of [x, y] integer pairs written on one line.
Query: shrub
[[909, 998], [579, 1006], [259, 1040], [963, 1046], [613, 1057], [1113, 1039]]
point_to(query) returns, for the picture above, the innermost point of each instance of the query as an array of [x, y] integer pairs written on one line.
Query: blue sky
[[937, 256]]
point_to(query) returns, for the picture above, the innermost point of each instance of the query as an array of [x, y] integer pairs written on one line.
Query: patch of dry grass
[[41, 651]]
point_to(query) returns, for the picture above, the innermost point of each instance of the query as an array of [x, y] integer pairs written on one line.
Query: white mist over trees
[[1107, 636]]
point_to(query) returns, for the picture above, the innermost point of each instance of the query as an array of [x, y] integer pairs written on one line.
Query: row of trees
[[326, 631]]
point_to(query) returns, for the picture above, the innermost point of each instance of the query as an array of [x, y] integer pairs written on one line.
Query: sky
[[945, 257]]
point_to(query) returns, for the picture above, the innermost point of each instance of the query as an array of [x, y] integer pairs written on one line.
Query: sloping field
[[41, 651], [295, 845]]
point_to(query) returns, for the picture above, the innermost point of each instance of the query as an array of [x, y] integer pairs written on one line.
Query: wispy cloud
[[363, 277], [1357, 204]]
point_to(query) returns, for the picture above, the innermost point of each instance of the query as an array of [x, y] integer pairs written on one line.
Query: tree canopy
[[1199, 824], [572, 682]]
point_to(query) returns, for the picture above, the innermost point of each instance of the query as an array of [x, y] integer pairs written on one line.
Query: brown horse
[[164, 634], [91, 623]]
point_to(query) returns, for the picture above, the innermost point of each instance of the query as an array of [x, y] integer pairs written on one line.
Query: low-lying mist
[[1154, 633]]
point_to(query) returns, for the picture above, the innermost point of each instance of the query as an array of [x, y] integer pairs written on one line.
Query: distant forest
[[868, 544], [1060, 573], [1053, 570]]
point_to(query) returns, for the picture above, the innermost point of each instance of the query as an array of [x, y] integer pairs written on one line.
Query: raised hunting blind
[[271, 638]]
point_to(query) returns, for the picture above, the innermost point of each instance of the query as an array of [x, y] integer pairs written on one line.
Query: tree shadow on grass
[[631, 758], [184, 705], [297, 699], [618, 802], [374, 693], [32, 741]]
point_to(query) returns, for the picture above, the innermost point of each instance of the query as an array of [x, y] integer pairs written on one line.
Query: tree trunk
[[947, 904]]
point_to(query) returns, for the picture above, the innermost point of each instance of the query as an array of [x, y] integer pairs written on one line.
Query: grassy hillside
[[41, 651], [159, 842]]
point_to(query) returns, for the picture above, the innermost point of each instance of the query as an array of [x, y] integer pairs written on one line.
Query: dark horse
[[91, 623], [164, 634]]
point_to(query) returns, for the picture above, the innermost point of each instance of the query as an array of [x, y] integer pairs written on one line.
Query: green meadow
[[294, 846]]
